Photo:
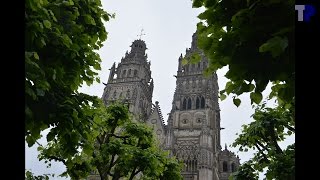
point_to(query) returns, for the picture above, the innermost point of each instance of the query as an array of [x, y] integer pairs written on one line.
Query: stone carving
[[187, 150], [153, 121]]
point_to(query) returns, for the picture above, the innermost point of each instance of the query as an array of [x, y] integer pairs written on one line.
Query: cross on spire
[[141, 34]]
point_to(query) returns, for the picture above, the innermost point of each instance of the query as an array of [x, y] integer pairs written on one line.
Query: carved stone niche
[[153, 121], [185, 120], [198, 119], [158, 132]]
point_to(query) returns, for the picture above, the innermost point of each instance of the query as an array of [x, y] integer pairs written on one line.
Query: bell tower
[[193, 132], [131, 81]]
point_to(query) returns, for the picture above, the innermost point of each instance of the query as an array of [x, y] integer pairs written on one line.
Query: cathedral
[[192, 132]]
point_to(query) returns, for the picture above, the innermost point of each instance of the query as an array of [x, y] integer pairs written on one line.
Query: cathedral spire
[[194, 41], [180, 63], [138, 47]]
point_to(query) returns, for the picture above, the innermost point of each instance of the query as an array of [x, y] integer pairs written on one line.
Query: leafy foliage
[[117, 148], [61, 39], [30, 176], [245, 171], [255, 39], [270, 127]]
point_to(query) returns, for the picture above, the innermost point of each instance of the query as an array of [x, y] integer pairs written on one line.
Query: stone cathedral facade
[[192, 132]]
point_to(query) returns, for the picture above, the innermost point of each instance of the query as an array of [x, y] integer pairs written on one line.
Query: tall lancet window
[[225, 166], [184, 104], [189, 103], [203, 102], [233, 167], [129, 72], [198, 103]]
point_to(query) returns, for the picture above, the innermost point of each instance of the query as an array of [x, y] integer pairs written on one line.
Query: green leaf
[[35, 55], [251, 87], [71, 3], [50, 136], [223, 97], [47, 24], [105, 17], [98, 80], [195, 58], [229, 87], [97, 66], [256, 97], [89, 20], [236, 102], [197, 3], [275, 45]]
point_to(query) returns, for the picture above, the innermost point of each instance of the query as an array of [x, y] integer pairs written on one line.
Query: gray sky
[[168, 26]]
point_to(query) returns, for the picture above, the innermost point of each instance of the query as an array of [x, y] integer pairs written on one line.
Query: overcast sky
[[168, 25]]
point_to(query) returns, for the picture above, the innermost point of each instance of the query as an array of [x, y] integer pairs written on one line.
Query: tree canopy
[[255, 40], [118, 148], [61, 39], [270, 126]]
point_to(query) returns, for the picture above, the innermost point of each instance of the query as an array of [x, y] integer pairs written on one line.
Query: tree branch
[[274, 140], [100, 173], [264, 155], [99, 140], [133, 173], [122, 137], [290, 128], [57, 158], [260, 144], [111, 164]]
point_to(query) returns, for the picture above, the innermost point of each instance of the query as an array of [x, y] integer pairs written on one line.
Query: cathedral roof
[[158, 110]]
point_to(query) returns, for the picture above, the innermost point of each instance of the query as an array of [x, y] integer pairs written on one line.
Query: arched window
[[203, 102], [135, 73], [233, 167], [198, 103], [225, 166], [189, 103], [198, 65], [184, 104], [124, 73], [129, 73]]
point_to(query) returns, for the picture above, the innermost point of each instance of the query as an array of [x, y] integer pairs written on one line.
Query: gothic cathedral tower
[[193, 133], [131, 82]]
